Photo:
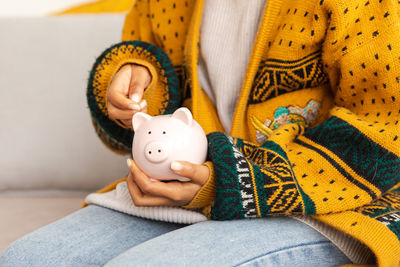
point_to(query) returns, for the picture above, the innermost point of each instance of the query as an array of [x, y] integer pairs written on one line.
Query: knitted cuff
[[206, 194]]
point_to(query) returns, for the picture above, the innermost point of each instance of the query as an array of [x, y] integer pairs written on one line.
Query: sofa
[[51, 157]]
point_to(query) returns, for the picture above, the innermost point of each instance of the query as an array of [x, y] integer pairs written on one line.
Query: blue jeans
[[96, 236]]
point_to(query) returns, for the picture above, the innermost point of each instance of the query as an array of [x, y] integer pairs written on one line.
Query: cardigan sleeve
[[349, 160], [162, 95]]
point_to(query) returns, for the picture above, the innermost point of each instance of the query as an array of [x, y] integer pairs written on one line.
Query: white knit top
[[228, 30]]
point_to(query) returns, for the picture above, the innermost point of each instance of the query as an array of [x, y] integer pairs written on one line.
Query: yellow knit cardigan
[[316, 124]]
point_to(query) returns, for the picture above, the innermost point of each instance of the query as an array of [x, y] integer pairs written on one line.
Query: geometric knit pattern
[[367, 158], [276, 77], [252, 181], [227, 202], [386, 210], [258, 180], [116, 137], [275, 182]]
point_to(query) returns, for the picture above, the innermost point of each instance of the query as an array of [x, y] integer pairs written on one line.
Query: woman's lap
[[259, 242], [89, 237], [94, 236]]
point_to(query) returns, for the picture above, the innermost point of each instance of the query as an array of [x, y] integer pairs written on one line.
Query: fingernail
[[176, 166], [129, 162], [143, 104], [135, 98], [135, 106]]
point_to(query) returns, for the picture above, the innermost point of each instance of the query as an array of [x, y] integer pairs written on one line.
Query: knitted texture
[[233, 24], [120, 199], [323, 87], [162, 96]]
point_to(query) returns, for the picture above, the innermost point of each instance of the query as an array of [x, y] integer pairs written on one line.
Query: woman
[[300, 104]]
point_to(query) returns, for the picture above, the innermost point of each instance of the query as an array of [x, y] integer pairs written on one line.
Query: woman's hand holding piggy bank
[[163, 143]]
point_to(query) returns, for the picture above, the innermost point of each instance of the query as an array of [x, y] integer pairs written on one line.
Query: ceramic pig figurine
[[161, 139]]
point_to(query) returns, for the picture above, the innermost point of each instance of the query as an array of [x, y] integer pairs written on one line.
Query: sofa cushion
[[23, 214], [46, 135]]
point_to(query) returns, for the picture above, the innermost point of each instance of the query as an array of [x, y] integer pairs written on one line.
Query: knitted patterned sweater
[[316, 129]]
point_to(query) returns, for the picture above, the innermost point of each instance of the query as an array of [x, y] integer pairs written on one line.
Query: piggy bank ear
[[138, 119], [183, 114]]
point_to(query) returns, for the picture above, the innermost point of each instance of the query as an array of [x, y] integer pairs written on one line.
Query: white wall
[[35, 7]]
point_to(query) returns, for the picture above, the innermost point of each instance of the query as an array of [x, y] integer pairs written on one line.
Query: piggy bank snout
[[155, 152]]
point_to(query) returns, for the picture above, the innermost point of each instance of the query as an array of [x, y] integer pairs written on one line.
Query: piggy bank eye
[[163, 132], [149, 132]]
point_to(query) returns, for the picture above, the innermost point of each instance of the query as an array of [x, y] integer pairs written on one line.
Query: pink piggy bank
[[161, 139]]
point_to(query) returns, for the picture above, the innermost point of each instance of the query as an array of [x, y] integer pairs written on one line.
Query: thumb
[[196, 173], [140, 79]]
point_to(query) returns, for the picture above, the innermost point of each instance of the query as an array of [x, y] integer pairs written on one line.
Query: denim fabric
[[96, 236]]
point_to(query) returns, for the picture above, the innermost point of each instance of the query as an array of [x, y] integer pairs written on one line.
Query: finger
[[143, 104], [179, 193], [140, 79], [155, 188], [196, 173], [134, 192], [121, 79], [141, 199], [118, 99], [127, 123], [120, 114]]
